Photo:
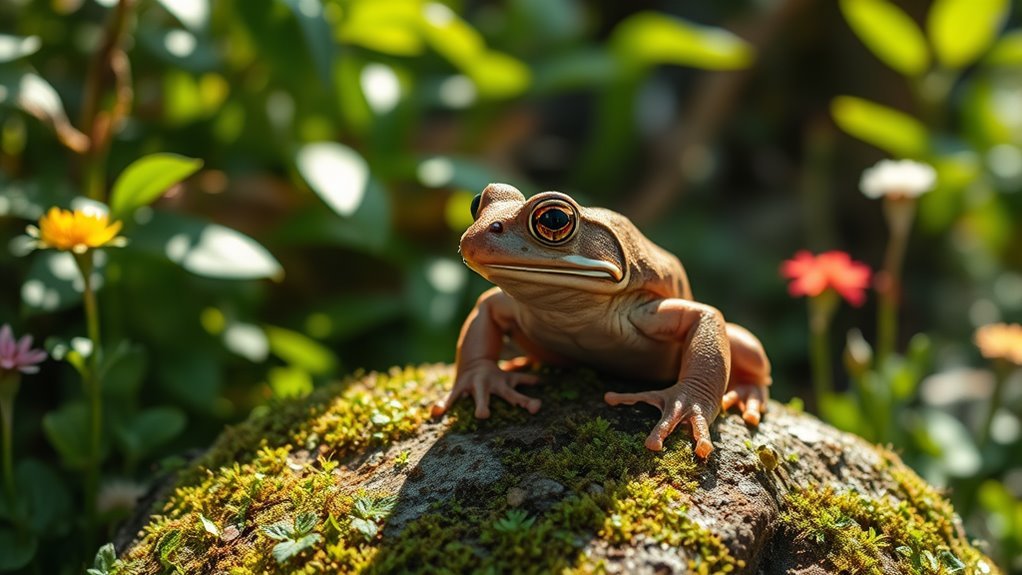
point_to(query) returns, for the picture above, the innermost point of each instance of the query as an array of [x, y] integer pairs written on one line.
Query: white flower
[[897, 179], [119, 495]]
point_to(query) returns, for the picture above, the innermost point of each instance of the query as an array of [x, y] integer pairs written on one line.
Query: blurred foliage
[[312, 163]]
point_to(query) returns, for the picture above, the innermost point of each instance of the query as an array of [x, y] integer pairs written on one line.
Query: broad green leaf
[[959, 456], [36, 97], [17, 548], [287, 549], [889, 33], [17, 47], [1007, 51], [47, 501], [203, 248], [317, 34], [337, 174], [69, 431], [649, 38], [289, 382], [961, 30], [301, 351], [886, 128], [193, 378], [497, 75], [146, 179], [393, 27], [123, 370], [141, 434], [368, 227], [104, 561]]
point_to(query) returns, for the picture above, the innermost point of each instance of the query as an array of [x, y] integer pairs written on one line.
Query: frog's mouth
[[573, 265]]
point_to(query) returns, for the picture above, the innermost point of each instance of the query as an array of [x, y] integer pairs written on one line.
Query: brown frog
[[580, 285]]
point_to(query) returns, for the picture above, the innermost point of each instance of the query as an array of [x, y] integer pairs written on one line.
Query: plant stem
[[1000, 376], [821, 310], [899, 213], [7, 415], [92, 382]]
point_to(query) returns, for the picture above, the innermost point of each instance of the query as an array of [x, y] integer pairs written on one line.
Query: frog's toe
[[750, 400], [507, 392]]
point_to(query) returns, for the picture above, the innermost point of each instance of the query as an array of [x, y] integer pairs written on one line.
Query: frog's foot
[[483, 380], [676, 404], [751, 399], [520, 363]]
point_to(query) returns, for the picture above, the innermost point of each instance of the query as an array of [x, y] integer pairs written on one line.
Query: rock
[[571, 489]]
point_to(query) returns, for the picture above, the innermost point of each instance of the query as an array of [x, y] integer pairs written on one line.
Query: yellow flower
[[1001, 341], [77, 231]]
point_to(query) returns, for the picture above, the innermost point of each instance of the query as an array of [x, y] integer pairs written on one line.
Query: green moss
[[912, 526], [285, 462]]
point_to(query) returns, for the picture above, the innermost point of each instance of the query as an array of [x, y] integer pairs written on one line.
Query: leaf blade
[[961, 30], [146, 179], [889, 33], [886, 128]]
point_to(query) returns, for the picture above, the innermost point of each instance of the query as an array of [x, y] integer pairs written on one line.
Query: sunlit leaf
[[68, 430], [15, 47], [392, 27], [1007, 51], [36, 97], [209, 526], [367, 229], [247, 340], [146, 179], [497, 75], [289, 382], [287, 549], [300, 350], [194, 14], [649, 38], [891, 34], [886, 128], [337, 174], [961, 30], [203, 248], [959, 455]]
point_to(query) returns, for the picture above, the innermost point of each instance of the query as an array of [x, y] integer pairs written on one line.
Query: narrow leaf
[[649, 38], [1007, 51], [146, 179], [209, 526], [886, 128], [961, 30], [889, 33]]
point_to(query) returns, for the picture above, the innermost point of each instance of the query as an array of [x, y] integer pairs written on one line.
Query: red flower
[[812, 275]]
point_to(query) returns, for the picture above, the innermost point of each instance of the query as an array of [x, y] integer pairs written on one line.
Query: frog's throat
[[570, 265]]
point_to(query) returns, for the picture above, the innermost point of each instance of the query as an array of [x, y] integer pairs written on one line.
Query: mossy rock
[[357, 478]]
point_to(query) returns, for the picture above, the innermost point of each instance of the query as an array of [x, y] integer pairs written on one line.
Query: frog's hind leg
[[750, 374]]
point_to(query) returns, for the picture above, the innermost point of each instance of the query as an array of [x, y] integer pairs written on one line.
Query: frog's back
[[651, 268]]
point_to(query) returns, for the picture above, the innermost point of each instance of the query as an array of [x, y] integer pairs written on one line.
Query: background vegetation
[[315, 159]]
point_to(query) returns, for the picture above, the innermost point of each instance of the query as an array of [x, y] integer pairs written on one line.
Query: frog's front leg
[[705, 367], [748, 387], [477, 372]]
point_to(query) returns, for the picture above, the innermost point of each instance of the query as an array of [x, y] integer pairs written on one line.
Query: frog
[[582, 286]]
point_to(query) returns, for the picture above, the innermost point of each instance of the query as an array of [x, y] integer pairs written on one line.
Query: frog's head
[[545, 241]]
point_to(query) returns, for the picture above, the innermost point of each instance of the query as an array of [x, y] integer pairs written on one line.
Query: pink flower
[[18, 355], [812, 275]]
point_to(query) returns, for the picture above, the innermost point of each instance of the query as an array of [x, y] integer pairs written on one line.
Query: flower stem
[[899, 213], [92, 381], [1000, 376], [821, 311], [8, 389]]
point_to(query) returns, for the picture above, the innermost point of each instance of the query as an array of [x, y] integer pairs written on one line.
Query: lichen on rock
[[384, 489]]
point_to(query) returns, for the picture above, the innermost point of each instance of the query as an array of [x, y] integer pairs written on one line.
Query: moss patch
[[912, 528]]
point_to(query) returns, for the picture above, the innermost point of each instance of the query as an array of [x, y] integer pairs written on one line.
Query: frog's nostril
[[496, 227]]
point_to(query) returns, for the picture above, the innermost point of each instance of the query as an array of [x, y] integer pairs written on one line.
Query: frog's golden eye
[[475, 206], [553, 222]]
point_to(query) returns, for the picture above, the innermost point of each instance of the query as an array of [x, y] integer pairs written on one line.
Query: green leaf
[[336, 173], [301, 351], [961, 30], [886, 128], [193, 378], [287, 549], [288, 382], [17, 548], [1007, 51], [649, 38], [46, 499], [104, 561], [393, 27], [204, 249], [69, 431], [145, 431], [889, 33], [497, 75], [146, 179], [281, 530], [368, 227], [305, 523], [367, 528], [35, 96], [317, 34], [209, 526], [123, 370]]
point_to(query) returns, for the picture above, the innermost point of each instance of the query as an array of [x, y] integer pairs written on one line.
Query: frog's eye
[[475, 206], [553, 222]]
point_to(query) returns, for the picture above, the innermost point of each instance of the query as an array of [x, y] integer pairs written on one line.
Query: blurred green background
[[342, 142]]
